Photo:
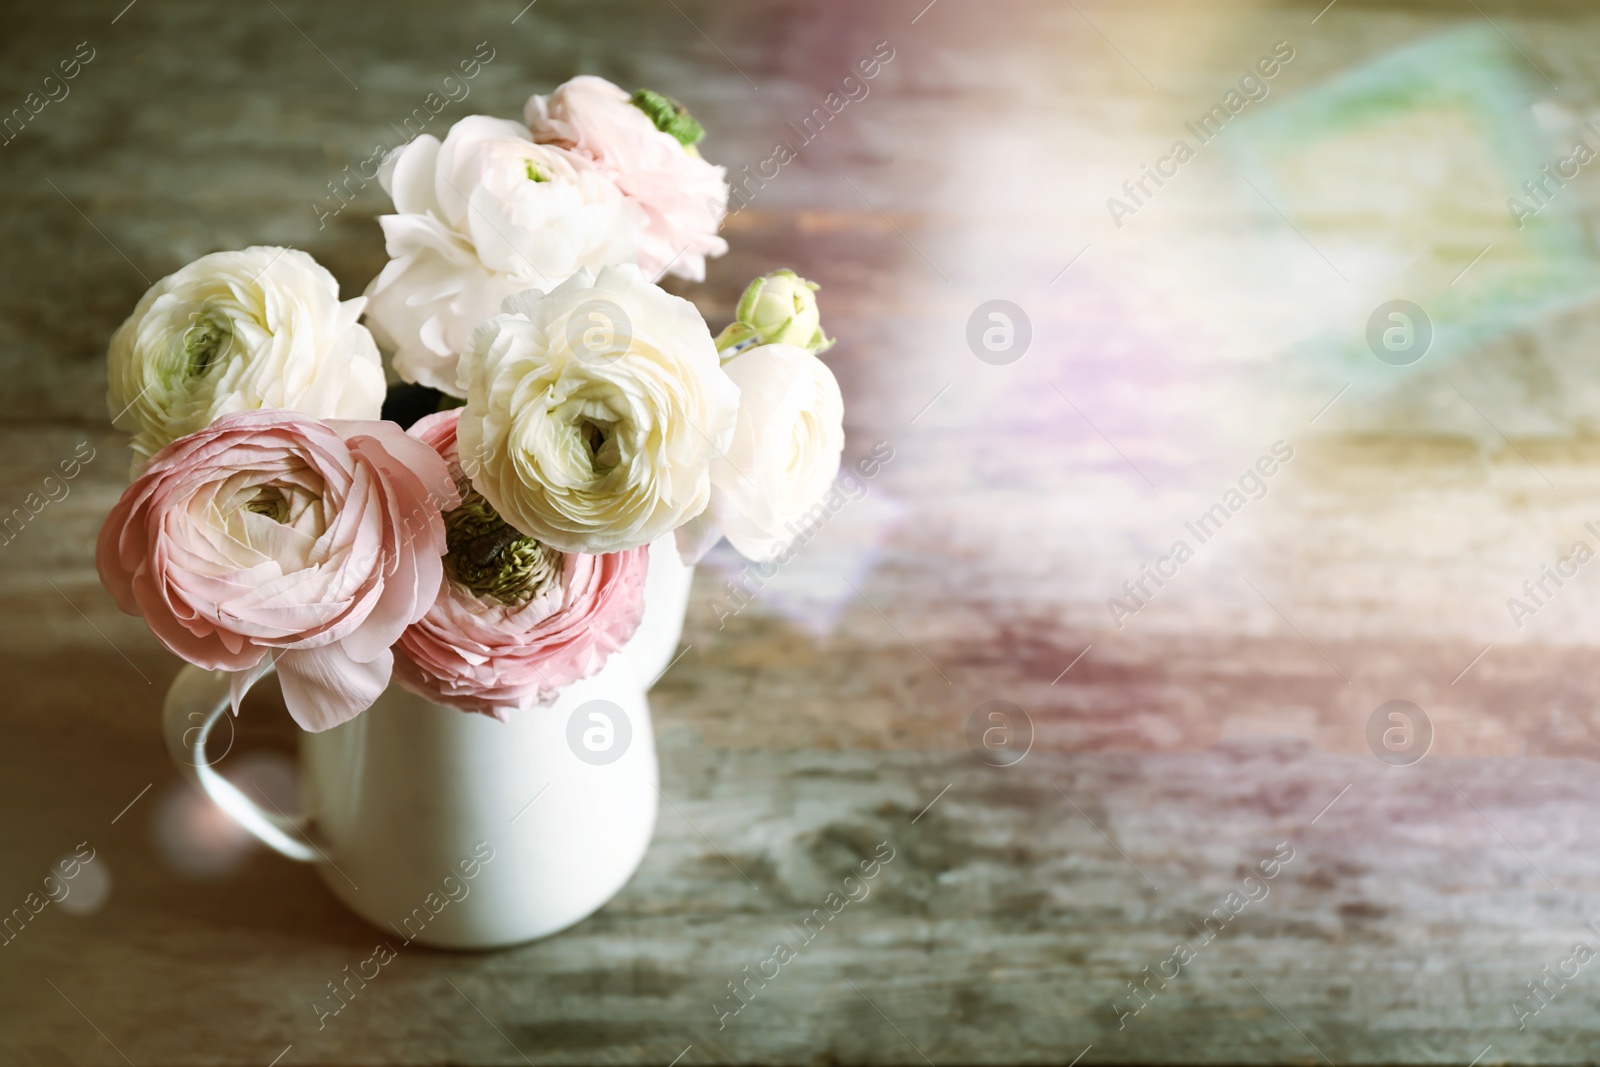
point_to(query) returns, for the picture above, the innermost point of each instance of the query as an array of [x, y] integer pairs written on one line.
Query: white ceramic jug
[[456, 830]]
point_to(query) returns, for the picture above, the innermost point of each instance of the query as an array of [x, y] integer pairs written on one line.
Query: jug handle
[[196, 701]]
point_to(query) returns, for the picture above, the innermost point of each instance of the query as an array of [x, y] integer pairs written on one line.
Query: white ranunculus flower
[[237, 331], [785, 450], [480, 217], [594, 412]]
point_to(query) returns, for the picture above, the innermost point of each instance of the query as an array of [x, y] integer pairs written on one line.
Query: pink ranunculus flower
[[270, 534], [518, 647], [683, 196]]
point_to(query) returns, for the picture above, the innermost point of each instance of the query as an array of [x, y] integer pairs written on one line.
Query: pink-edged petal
[[240, 683], [407, 452], [323, 687]]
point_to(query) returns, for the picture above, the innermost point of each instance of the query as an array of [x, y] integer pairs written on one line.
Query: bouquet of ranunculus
[[480, 532]]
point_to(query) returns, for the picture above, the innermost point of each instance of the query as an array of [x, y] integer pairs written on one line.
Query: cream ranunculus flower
[[480, 217], [785, 449], [237, 331], [594, 412]]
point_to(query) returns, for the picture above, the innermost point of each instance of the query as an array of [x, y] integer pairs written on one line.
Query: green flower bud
[[669, 117], [777, 308]]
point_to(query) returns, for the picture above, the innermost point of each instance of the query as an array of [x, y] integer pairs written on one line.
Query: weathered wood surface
[[1004, 929], [1167, 356]]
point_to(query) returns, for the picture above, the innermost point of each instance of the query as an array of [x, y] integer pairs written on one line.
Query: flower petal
[[323, 687]]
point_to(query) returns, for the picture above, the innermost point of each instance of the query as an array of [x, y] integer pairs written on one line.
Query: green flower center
[[595, 438], [271, 502], [493, 560], [534, 173], [206, 338], [669, 116]]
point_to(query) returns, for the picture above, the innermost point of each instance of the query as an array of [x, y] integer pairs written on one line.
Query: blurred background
[[1238, 366]]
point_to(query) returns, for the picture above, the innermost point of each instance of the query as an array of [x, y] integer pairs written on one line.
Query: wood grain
[[1171, 753]]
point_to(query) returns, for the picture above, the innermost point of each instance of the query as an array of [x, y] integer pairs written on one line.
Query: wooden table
[[1179, 739]]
